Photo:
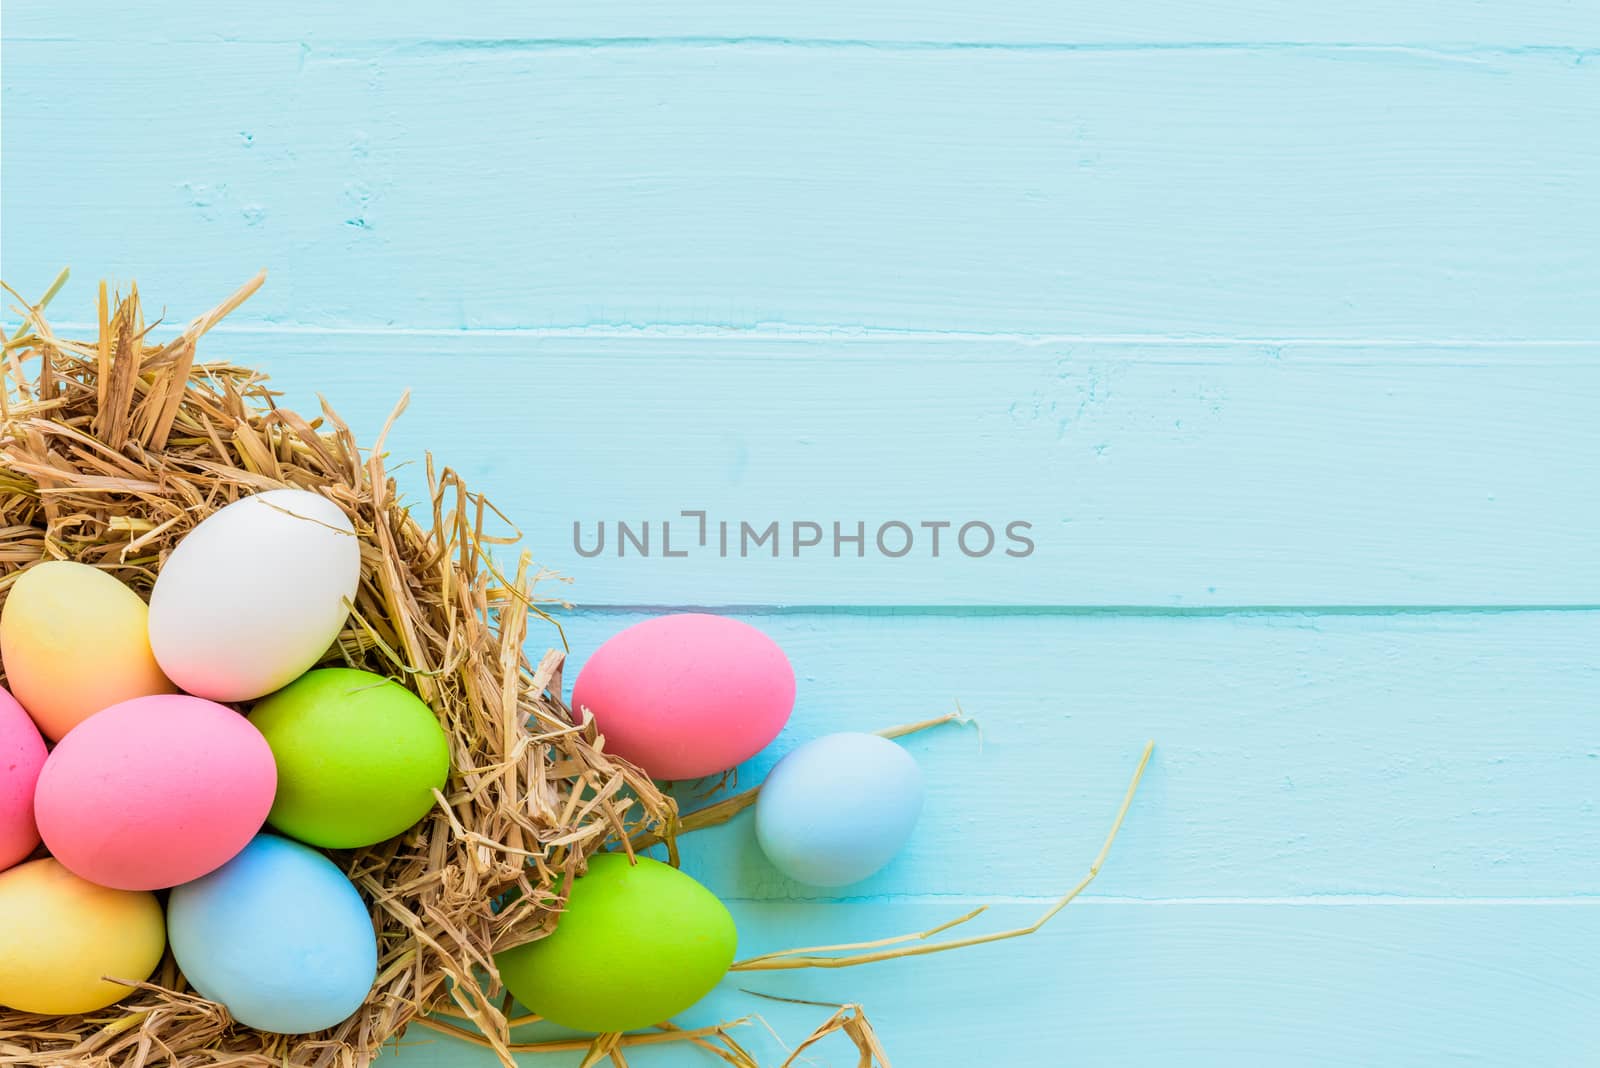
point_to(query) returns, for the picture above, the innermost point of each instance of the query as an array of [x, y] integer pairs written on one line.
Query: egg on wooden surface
[[75, 640], [22, 754], [62, 936], [279, 935], [358, 757], [636, 944], [154, 792], [254, 595], [838, 808], [687, 695]]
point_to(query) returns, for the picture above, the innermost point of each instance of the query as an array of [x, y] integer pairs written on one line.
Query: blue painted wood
[[1255, 303], [1334, 192], [1191, 476], [1482, 23], [1325, 986], [1447, 755]]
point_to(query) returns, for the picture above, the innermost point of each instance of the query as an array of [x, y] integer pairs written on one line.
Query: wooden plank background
[[1278, 323], [1304, 192]]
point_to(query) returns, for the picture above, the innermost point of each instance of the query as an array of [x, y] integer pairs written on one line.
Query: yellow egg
[[74, 640], [62, 936]]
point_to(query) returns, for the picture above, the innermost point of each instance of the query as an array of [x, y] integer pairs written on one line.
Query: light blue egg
[[838, 808], [278, 935]]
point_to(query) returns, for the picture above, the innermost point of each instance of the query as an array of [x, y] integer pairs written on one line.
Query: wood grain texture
[[1231, 192], [1482, 23], [1186, 476], [1433, 755], [1407, 986], [1277, 321]]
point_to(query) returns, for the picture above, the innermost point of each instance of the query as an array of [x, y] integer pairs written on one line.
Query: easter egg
[[154, 792], [75, 640], [637, 944], [22, 754], [254, 595], [278, 935], [63, 936], [358, 757], [837, 809], [687, 695]]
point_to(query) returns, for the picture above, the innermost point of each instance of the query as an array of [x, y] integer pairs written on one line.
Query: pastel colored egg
[[154, 792], [62, 936], [358, 757], [278, 935], [254, 595], [75, 640], [636, 945], [22, 754], [687, 695], [837, 809]]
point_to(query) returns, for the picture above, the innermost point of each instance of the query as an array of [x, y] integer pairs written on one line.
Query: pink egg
[[687, 695], [22, 754], [154, 792]]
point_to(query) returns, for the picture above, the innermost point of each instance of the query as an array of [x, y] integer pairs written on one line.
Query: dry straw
[[111, 450]]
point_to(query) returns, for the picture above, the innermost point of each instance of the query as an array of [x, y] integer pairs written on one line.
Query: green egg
[[358, 755], [637, 944]]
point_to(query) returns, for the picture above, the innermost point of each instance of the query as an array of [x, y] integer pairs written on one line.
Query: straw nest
[[111, 450]]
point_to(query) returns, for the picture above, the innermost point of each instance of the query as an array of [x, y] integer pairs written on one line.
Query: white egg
[[254, 595]]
